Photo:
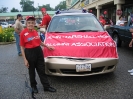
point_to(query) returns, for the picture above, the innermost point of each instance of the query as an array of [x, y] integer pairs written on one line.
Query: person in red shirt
[[102, 21], [46, 19], [33, 55]]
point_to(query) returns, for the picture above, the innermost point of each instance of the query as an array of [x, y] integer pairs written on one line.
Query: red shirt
[[102, 21], [45, 21], [29, 39]]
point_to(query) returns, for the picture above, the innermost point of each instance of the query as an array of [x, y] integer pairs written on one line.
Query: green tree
[[3, 9], [47, 6], [61, 5], [14, 10], [27, 5]]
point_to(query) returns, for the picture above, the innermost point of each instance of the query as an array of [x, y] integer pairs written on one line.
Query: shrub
[[7, 35]]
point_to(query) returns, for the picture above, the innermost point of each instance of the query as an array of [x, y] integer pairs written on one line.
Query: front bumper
[[67, 66]]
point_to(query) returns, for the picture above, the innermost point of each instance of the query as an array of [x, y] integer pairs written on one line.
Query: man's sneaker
[[34, 89], [130, 71], [131, 74]]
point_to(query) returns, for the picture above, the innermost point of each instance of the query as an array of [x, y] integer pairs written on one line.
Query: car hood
[[80, 45]]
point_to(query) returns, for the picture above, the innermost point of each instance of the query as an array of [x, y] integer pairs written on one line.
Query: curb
[[5, 43]]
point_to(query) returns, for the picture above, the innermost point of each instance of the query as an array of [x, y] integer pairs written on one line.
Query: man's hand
[[50, 47], [131, 30], [130, 44], [26, 63]]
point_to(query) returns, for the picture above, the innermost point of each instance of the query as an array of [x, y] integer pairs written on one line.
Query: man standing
[[46, 19], [33, 55], [18, 27], [130, 45]]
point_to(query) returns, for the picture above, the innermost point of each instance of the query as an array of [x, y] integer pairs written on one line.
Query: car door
[[127, 33], [122, 32]]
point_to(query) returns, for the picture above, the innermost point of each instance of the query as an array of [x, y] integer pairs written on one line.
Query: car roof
[[4, 22], [11, 21], [72, 12]]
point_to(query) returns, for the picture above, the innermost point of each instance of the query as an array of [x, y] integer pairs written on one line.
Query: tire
[[117, 40]]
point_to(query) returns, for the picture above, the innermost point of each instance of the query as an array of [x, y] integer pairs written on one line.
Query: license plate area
[[83, 67]]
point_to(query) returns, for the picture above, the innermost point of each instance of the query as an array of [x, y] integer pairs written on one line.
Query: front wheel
[[117, 40]]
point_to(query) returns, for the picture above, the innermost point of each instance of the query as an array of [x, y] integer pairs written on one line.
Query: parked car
[[121, 33], [23, 23], [81, 46], [11, 23], [4, 24]]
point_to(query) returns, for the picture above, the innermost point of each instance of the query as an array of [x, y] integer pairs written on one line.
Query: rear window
[[71, 23]]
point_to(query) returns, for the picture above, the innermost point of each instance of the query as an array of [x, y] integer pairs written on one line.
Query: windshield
[[4, 23], [72, 23]]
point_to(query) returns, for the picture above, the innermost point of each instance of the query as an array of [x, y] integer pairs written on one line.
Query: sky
[[15, 3]]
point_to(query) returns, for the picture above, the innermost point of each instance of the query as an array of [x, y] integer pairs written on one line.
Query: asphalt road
[[14, 80]]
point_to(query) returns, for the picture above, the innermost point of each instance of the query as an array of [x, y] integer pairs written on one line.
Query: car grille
[[110, 67], [78, 59], [73, 71]]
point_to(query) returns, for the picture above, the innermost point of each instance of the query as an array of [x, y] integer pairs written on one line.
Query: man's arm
[[49, 47], [23, 55], [17, 30], [44, 26]]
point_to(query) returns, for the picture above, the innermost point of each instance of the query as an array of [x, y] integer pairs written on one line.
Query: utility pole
[[33, 8], [23, 6]]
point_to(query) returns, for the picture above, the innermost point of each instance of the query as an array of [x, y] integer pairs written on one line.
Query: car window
[[11, 22], [4, 24], [71, 23], [23, 22]]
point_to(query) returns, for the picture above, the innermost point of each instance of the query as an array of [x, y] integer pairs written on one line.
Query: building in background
[[109, 8], [13, 15]]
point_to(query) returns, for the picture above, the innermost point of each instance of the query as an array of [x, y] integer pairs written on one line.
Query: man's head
[[19, 16], [101, 17], [30, 22], [43, 10]]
